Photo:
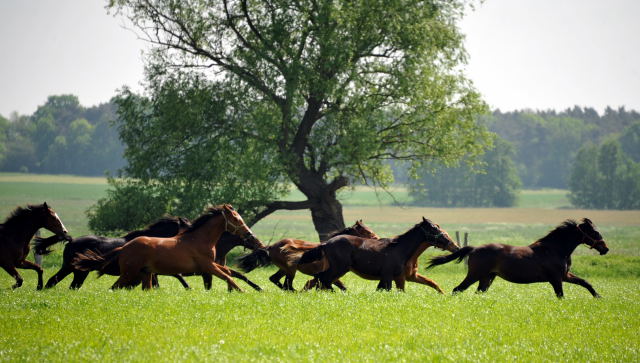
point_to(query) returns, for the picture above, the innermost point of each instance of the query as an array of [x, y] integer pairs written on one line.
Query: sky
[[535, 54]]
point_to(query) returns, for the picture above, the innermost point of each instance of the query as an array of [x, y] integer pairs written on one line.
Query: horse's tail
[[91, 260], [41, 245], [257, 258], [311, 255], [459, 254]]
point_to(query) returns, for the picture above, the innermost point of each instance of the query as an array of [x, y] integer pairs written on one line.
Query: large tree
[[324, 91]]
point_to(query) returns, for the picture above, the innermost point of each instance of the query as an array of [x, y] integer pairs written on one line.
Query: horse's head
[[52, 222], [234, 224], [437, 236], [363, 231], [591, 237]]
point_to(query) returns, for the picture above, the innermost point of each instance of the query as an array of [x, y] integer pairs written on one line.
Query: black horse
[[384, 259], [165, 227], [546, 260]]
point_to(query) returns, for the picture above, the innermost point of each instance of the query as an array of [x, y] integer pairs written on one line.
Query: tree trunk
[[326, 209], [326, 214]]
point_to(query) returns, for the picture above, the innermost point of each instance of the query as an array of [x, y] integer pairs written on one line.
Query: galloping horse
[[164, 227], [546, 260], [285, 252], [385, 260], [17, 231], [189, 252]]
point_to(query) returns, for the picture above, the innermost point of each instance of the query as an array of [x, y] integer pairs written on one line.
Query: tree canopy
[[314, 93]]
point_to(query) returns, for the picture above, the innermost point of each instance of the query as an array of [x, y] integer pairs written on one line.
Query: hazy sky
[[536, 54]]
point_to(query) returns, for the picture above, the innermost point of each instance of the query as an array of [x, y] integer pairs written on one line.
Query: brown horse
[[165, 227], [386, 260], [17, 231], [189, 252], [546, 260], [286, 252]]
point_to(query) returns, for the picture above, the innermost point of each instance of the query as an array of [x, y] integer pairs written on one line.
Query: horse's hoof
[[597, 296]]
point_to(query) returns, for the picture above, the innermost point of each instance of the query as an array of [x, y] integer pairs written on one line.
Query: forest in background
[[64, 137]]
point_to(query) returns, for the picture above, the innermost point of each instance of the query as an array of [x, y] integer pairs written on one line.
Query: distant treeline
[[61, 137], [594, 155], [546, 142]]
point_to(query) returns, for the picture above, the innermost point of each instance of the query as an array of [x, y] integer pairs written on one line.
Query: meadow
[[510, 322]]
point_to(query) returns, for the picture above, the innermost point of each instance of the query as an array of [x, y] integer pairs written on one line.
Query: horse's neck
[[223, 247], [21, 232], [564, 245], [207, 234], [408, 243]]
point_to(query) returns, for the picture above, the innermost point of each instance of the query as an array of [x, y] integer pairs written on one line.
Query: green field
[[510, 322]]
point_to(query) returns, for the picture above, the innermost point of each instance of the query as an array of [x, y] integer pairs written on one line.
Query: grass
[[510, 322]]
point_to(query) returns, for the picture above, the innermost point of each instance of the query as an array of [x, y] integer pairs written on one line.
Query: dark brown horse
[[385, 260], [164, 227], [286, 252], [546, 260], [17, 231], [192, 251]]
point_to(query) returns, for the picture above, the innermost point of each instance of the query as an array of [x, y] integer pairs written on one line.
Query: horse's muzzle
[[66, 236]]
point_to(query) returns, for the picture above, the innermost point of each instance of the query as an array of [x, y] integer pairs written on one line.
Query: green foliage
[[497, 185], [243, 98], [604, 177], [62, 137], [547, 142], [630, 141]]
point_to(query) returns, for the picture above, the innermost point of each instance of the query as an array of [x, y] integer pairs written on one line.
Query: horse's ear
[[424, 219], [45, 205], [587, 221]]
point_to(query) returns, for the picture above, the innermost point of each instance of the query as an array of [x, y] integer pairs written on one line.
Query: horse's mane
[[205, 217], [557, 233], [180, 221], [346, 230], [20, 215]]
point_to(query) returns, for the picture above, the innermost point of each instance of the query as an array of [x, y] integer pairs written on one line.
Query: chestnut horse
[[386, 260], [546, 260], [164, 227], [17, 231], [285, 252], [192, 251]]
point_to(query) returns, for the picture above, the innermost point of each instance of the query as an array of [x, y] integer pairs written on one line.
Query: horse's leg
[[78, 279], [557, 287], [126, 280], [242, 277], [182, 281], [468, 281], [216, 269], [288, 282], [340, 285], [206, 281], [425, 281], [28, 265], [245, 279], [385, 284], [573, 279], [400, 280], [58, 276], [147, 280], [11, 270], [310, 284], [486, 282], [275, 278]]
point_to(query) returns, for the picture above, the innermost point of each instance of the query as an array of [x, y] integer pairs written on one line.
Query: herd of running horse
[[177, 247]]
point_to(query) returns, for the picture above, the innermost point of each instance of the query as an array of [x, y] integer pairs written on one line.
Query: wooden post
[[458, 237], [466, 239]]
